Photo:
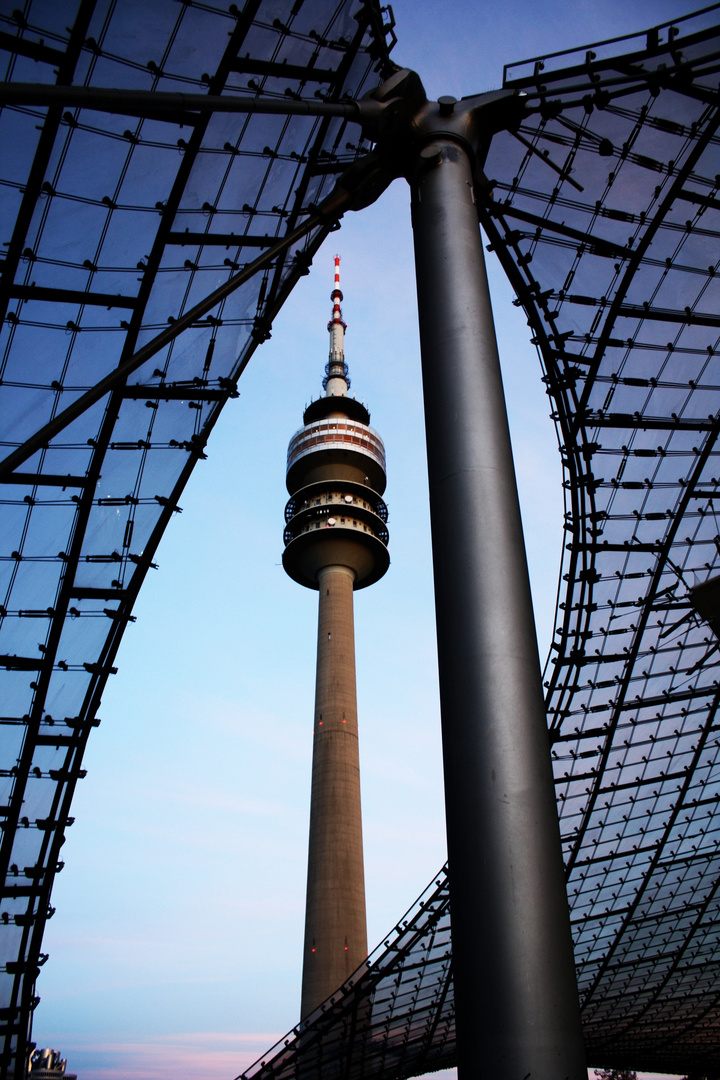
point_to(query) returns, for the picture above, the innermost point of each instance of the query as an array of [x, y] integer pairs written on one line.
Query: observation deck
[[344, 443], [336, 478]]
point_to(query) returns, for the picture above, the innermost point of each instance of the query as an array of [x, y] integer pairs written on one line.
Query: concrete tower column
[[335, 925], [336, 542]]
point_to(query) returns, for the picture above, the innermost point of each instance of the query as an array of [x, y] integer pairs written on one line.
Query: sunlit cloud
[[210, 1055]]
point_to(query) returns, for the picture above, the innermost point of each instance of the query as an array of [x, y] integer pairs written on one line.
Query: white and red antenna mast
[[336, 379]]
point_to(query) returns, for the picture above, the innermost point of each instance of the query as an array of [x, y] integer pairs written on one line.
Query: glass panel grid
[[122, 223]]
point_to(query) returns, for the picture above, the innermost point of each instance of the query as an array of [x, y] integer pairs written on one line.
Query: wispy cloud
[[197, 1055]]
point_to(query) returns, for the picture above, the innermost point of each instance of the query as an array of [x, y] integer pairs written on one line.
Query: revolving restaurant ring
[[336, 476]]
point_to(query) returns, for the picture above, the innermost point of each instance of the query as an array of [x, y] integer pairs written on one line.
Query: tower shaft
[[335, 926], [335, 541]]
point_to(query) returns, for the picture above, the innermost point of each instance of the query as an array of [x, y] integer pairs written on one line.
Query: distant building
[[48, 1065]]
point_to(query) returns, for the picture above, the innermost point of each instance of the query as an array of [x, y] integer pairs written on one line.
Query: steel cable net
[[114, 227], [604, 209]]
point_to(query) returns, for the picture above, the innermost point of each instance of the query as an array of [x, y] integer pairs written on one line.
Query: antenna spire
[[336, 381]]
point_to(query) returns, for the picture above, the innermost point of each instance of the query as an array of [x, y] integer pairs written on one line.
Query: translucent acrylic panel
[[47, 274], [82, 638], [10, 938], [137, 534], [38, 352], [174, 420], [699, 292], [23, 637], [92, 573], [18, 130], [83, 428], [44, 16], [105, 531], [198, 44], [165, 301], [11, 741], [150, 174], [26, 849], [61, 460], [95, 351], [129, 237], [35, 585], [661, 145], [133, 422], [260, 40], [121, 38], [50, 757], [108, 155], [17, 693], [38, 797], [66, 693], [12, 522], [45, 525], [202, 282], [112, 278], [120, 471], [162, 468]]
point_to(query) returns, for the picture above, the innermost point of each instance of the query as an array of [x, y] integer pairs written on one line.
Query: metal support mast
[[517, 1011]]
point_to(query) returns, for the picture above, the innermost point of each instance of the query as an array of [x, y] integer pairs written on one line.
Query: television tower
[[335, 542]]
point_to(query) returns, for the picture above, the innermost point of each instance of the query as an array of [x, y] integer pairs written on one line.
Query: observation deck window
[[348, 433]]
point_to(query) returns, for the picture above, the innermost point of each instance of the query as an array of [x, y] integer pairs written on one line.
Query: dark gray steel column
[[515, 990]]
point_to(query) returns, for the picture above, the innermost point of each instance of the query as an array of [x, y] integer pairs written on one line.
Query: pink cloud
[[212, 1056]]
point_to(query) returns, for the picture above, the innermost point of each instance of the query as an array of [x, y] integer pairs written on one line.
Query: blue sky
[[175, 949]]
